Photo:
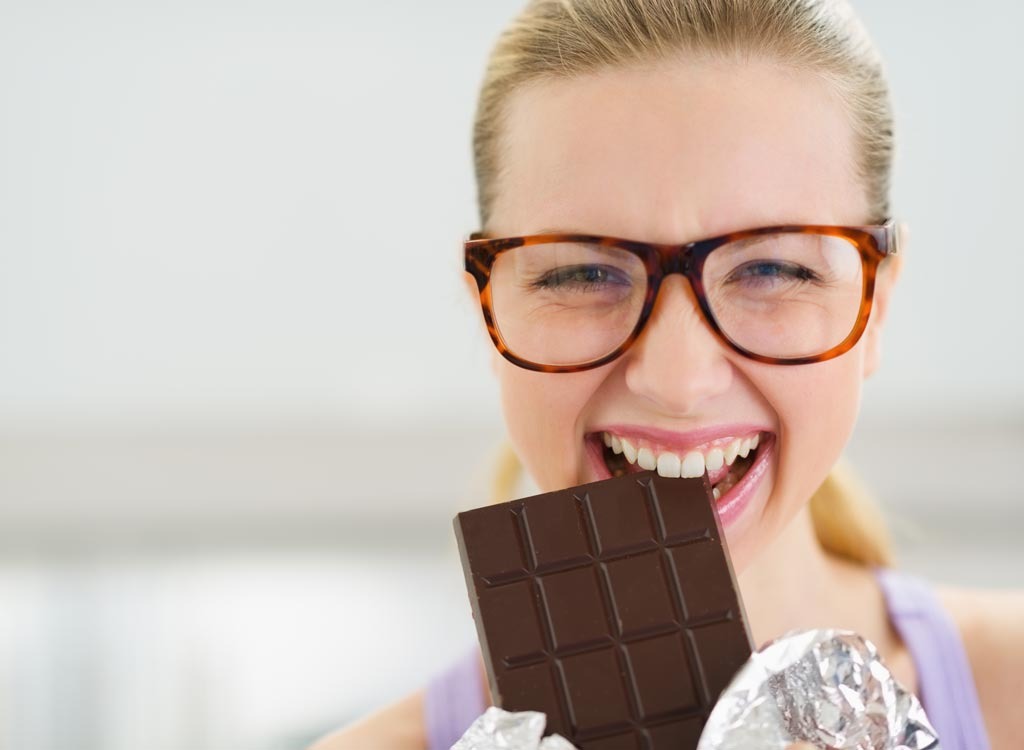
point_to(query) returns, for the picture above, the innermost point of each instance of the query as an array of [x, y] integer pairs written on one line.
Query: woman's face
[[677, 153]]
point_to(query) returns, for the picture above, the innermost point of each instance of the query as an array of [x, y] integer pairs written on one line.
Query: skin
[[683, 151]]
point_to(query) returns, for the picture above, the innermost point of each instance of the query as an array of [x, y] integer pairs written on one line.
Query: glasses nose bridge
[[676, 259]]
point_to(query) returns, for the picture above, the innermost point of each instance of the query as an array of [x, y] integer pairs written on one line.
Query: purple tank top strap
[[453, 700], [945, 683]]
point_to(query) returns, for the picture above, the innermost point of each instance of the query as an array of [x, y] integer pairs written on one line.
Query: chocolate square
[[620, 517], [555, 533], [597, 695], [657, 665], [576, 614], [640, 594], [707, 590], [719, 646], [516, 644], [492, 544]]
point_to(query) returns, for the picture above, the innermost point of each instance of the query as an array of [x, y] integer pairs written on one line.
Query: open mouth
[[726, 460]]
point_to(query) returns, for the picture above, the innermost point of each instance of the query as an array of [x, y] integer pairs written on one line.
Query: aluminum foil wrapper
[[501, 730], [825, 687]]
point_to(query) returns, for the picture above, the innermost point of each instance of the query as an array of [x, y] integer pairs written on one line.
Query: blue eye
[[771, 270]]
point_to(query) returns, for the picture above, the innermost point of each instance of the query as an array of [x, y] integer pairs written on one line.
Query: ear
[[888, 273]]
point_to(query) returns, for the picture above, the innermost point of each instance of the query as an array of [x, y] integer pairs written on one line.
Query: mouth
[[727, 460]]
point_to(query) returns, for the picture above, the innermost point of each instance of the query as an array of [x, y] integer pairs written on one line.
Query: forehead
[[677, 152]]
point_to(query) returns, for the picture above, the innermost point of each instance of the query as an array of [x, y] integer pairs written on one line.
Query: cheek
[[817, 408], [542, 414]]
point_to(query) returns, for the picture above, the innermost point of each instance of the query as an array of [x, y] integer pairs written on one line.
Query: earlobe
[[885, 280]]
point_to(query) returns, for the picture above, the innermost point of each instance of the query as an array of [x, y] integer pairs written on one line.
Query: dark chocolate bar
[[612, 607]]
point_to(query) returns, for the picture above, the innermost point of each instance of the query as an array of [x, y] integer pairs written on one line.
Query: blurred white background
[[230, 294]]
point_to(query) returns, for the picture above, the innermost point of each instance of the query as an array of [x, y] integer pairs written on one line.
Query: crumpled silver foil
[[501, 730], [825, 687]]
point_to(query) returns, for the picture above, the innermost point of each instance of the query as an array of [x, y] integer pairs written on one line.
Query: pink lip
[[680, 441], [734, 502]]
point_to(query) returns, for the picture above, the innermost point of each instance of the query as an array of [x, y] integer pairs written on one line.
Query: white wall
[[205, 204], [213, 207]]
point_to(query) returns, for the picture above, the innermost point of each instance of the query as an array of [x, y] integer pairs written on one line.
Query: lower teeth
[[734, 475]]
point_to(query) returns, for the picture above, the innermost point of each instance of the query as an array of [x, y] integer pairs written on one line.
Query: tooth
[[646, 460], [616, 444], [715, 459], [716, 492], [755, 440], [629, 451], [731, 450], [607, 439], [693, 465], [744, 448], [668, 465], [645, 457]]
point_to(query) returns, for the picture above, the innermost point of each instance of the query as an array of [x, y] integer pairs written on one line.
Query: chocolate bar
[[612, 607]]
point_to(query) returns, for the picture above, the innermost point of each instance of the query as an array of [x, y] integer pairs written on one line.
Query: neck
[[795, 584]]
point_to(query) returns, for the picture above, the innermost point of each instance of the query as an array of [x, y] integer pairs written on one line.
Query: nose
[[678, 363]]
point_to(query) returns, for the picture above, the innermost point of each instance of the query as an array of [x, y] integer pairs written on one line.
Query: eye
[[581, 278], [767, 271]]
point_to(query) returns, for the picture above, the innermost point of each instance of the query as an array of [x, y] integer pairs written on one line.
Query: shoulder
[[991, 624], [397, 727]]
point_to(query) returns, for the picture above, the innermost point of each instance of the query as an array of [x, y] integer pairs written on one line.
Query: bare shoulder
[[992, 626], [397, 727]]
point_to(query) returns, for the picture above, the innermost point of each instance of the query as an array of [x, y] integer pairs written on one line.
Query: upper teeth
[[645, 457], [693, 463]]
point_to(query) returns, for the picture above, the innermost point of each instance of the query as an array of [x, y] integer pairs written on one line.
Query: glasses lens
[[785, 295], [566, 303]]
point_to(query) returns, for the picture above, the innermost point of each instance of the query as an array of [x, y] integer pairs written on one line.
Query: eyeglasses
[[786, 295]]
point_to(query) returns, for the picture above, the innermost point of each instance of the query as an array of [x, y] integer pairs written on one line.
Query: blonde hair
[[557, 39], [553, 39]]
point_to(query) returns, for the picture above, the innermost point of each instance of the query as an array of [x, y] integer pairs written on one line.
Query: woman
[[760, 130]]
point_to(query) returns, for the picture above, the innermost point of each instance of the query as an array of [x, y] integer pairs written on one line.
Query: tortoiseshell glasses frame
[[874, 243]]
